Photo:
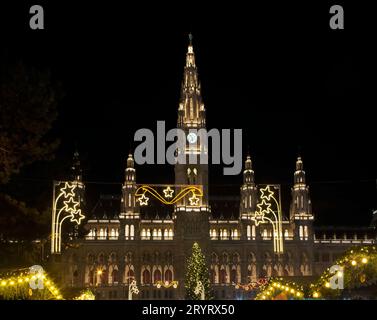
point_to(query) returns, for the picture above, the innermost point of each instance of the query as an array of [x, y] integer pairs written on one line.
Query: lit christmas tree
[[197, 276]]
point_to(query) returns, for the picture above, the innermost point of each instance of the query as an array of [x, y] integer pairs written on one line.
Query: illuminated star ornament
[[259, 218], [66, 205], [168, 192], [168, 197], [143, 200], [264, 207], [266, 193], [77, 216], [70, 205], [68, 190], [194, 200], [269, 210]]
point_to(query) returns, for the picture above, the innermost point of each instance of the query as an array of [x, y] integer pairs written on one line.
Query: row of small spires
[[156, 217], [248, 162]]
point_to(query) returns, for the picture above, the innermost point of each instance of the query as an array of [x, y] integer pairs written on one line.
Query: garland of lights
[[196, 194], [86, 295], [252, 285], [64, 207], [166, 284], [359, 268], [27, 285], [278, 289], [264, 207]]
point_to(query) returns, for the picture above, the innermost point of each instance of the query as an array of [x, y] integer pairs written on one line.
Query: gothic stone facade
[[133, 245]]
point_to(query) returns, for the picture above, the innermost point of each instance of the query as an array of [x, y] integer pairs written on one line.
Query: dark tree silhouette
[[28, 102]]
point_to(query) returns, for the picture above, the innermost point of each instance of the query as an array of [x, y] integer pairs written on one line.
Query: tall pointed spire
[[300, 173], [76, 171], [248, 190], [191, 112], [190, 56], [301, 203]]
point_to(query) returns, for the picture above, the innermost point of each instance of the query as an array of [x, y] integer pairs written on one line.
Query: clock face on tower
[[192, 137]]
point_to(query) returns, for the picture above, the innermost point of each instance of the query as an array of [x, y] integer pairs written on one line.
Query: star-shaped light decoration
[[194, 200], [264, 207], [77, 216], [266, 193], [258, 218], [70, 205], [168, 192], [68, 190], [143, 200]]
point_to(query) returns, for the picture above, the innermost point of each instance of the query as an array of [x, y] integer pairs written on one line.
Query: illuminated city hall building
[[131, 238]]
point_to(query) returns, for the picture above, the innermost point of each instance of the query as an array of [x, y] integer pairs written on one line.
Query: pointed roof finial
[[130, 161], [190, 39], [299, 164]]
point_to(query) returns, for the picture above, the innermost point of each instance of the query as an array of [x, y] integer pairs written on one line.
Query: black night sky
[[276, 71]]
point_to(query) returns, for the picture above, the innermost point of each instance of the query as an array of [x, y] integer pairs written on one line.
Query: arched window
[[265, 234], [159, 234], [129, 200], [104, 277], [253, 232], [301, 232], [146, 277], [166, 234], [235, 234], [148, 233], [248, 232], [143, 234], [223, 276], [157, 276], [306, 232], [214, 275], [286, 233], [233, 276], [114, 276], [302, 202], [127, 231], [130, 275], [171, 233], [91, 277], [168, 275], [154, 233], [132, 231]]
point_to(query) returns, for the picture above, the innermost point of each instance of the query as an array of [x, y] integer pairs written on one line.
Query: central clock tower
[[192, 222], [191, 118]]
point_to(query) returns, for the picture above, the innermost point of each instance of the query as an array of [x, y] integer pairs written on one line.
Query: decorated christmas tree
[[197, 281]]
